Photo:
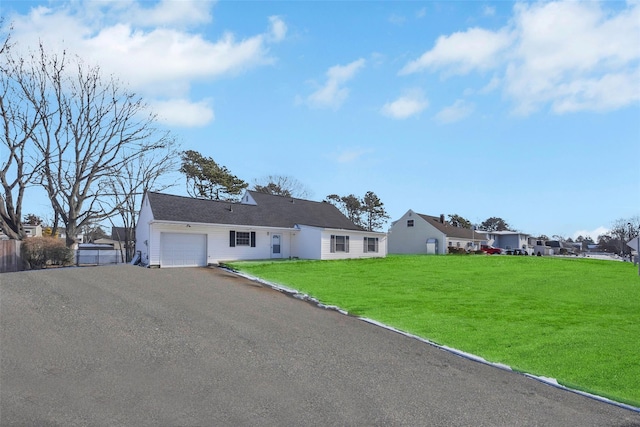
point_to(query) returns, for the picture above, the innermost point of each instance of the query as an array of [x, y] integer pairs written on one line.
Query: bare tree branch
[[74, 132]]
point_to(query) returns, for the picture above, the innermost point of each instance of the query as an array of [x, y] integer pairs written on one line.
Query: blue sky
[[529, 111]]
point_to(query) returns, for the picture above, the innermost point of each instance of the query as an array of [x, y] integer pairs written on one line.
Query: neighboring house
[[119, 238], [509, 240], [33, 230], [122, 240], [122, 234], [554, 247], [29, 230], [62, 234], [416, 233], [176, 231]]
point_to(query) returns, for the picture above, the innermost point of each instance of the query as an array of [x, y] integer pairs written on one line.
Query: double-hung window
[[242, 238], [339, 243], [371, 244]]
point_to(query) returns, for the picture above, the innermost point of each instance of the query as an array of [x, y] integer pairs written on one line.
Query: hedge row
[[40, 252]]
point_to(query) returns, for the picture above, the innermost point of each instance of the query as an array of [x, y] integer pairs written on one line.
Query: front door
[[276, 246]]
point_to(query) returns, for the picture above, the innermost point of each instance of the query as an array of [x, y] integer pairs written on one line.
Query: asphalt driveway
[[111, 346]]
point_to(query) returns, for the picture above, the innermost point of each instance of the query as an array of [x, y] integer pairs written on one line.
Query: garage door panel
[[183, 250]]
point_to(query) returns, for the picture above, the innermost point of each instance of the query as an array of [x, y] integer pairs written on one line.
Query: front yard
[[576, 320]]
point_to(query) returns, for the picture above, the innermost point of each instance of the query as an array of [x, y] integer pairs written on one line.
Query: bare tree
[[88, 129], [623, 230], [20, 108], [128, 186], [281, 185]]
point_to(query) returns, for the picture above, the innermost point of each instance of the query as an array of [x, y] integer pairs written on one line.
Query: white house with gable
[[176, 231], [416, 233]]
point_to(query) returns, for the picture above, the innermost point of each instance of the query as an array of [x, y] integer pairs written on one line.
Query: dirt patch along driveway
[[124, 345]]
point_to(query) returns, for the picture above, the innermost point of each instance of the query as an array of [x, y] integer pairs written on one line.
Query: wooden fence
[[10, 259]]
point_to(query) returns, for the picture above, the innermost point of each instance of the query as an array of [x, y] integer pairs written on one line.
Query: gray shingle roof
[[120, 234], [451, 231], [269, 211]]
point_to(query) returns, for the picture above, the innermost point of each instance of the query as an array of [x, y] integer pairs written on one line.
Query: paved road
[[127, 346]]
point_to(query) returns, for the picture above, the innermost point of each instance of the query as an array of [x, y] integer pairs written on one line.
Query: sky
[[528, 111]]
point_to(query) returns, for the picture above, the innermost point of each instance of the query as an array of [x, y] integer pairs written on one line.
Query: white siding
[[315, 243], [413, 240], [142, 231], [218, 247], [307, 243], [356, 244]]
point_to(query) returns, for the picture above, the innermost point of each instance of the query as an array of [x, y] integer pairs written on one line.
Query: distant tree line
[[622, 230]]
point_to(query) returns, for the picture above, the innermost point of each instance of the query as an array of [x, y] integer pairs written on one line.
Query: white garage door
[[183, 250]]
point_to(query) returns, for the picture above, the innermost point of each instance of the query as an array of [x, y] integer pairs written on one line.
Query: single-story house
[[510, 240], [416, 233], [176, 231]]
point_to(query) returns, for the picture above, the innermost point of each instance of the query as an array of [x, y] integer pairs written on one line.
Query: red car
[[491, 250]]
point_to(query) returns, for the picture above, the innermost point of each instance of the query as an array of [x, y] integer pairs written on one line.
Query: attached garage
[[183, 250]]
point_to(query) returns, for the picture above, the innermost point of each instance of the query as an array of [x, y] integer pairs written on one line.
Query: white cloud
[[454, 113], [397, 19], [406, 106], [155, 50], [333, 93], [462, 52], [591, 233], [493, 84], [609, 92], [488, 11], [278, 28], [567, 55], [574, 56], [182, 112], [169, 12], [351, 155]]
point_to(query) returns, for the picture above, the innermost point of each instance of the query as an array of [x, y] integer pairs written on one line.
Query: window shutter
[[346, 243], [253, 239], [333, 243], [365, 248], [232, 238]]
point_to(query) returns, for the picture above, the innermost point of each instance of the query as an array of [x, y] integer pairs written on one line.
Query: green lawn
[[576, 320]]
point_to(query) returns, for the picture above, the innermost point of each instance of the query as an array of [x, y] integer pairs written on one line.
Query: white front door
[[276, 246]]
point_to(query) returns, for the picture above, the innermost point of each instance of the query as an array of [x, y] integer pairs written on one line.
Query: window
[[370, 244], [242, 238], [339, 243], [409, 223]]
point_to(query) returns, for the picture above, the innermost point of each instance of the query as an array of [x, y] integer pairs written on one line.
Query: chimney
[[441, 218]]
